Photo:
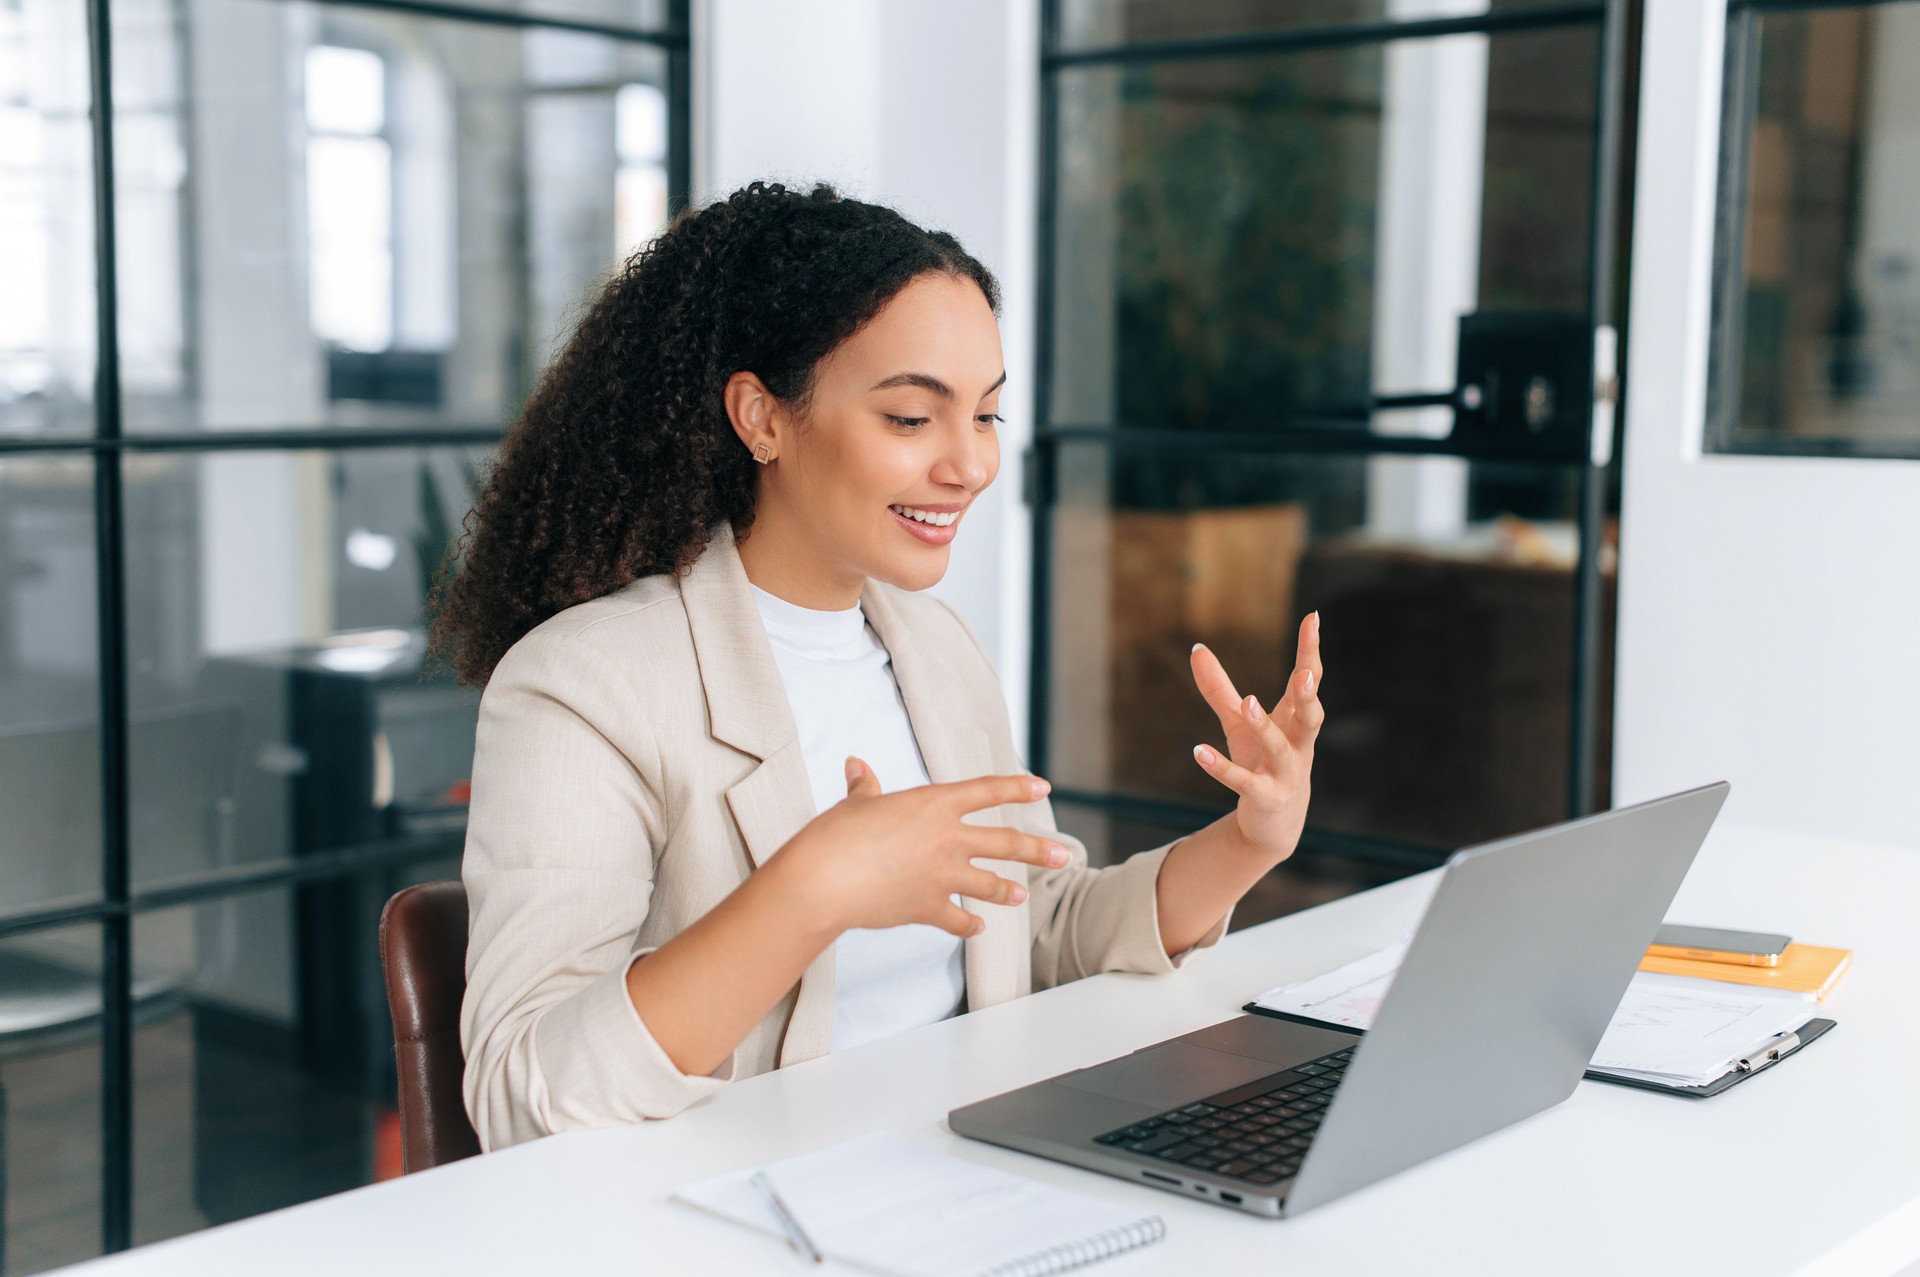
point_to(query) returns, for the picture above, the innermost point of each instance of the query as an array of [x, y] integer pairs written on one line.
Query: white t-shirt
[[839, 681]]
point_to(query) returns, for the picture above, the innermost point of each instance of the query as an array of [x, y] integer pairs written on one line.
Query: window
[[598, 151], [640, 183], [349, 198], [46, 221], [1816, 340], [25, 308], [218, 752], [151, 219]]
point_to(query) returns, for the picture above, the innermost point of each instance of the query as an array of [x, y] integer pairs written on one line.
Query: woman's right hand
[[885, 860]]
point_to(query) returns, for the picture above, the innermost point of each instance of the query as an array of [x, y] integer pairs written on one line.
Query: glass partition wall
[[277, 274], [1816, 326], [1288, 252]]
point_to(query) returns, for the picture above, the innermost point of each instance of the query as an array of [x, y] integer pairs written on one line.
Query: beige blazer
[[636, 759]]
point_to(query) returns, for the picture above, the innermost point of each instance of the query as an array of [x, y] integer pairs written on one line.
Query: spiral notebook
[[895, 1208]]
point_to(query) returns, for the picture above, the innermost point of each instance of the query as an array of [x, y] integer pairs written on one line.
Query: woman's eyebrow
[[927, 381]]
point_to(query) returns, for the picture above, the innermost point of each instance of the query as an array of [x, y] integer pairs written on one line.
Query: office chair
[[423, 953]]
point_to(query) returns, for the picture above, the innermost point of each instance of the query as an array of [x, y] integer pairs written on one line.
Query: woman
[[741, 793]]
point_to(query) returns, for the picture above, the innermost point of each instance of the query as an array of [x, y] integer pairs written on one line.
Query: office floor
[[224, 1128], [221, 1132]]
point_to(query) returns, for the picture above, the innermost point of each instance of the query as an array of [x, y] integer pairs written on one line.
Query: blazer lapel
[[747, 705], [954, 747], [748, 709]]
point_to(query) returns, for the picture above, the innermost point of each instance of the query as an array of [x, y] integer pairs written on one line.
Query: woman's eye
[[991, 419], [911, 423]]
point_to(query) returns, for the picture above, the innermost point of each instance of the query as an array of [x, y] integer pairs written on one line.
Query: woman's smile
[[934, 524]]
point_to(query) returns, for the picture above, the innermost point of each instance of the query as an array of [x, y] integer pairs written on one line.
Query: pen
[[796, 1235], [1767, 1054]]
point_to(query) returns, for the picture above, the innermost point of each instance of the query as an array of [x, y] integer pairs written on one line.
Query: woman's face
[[877, 478]]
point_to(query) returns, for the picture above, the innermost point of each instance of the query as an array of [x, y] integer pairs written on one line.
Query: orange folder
[[1803, 968]]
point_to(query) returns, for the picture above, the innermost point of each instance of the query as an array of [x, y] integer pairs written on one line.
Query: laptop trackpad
[[1168, 1074]]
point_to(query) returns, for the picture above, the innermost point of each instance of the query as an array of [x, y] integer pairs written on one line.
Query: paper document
[[1348, 995], [891, 1207], [1670, 1029], [1687, 1032]]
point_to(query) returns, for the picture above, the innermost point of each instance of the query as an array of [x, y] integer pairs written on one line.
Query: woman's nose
[[969, 459]]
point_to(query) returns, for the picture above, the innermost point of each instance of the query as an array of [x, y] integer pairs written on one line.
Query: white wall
[[1769, 607], [930, 107]]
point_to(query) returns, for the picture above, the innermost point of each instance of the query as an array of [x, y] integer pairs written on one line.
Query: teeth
[[927, 516]]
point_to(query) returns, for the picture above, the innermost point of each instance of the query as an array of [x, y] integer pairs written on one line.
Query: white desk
[[1613, 1181]]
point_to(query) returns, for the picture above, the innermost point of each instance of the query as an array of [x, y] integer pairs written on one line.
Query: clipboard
[[1812, 1031]]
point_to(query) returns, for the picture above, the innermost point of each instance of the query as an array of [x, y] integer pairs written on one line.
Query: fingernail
[[1253, 711], [1039, 788], [1196, 647], [1056, 856], [1309, 682], [1316, 623], [1016, 894], [1206, 756], [853, 770]]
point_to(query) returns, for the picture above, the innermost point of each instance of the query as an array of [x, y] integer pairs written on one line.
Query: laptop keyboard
[[1260, 1140]]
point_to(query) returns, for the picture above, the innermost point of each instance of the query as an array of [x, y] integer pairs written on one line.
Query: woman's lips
[[926, 531]]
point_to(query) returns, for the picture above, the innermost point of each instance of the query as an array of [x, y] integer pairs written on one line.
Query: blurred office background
[[1310, 305], [344, 241]]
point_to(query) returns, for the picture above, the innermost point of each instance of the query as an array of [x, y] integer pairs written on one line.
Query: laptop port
[[1164, 1179], [1232, 1199]]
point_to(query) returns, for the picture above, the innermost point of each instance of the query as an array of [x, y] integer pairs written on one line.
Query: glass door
[[1327, 297]]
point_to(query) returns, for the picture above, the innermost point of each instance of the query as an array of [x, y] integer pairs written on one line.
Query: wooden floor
[[219, 1134]]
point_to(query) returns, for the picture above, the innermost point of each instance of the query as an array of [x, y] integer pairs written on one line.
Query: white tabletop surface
[[1813, 1167]]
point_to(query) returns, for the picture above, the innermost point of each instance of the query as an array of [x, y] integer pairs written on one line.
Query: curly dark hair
[[623, 461]]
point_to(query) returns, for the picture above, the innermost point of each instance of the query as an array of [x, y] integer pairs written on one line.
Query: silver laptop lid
[[1507, 986]]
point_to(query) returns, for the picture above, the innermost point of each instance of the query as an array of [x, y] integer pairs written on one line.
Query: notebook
[[1807, 969], [1670, 1032], [895, 1208]]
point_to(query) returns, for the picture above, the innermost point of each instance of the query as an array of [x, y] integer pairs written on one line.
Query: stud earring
[[762, 453]]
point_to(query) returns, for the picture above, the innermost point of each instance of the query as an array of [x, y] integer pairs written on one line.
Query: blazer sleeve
[[559, 860], [1084, 920]]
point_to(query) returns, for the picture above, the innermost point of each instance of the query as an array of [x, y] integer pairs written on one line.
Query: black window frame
[[1739, 109], [1611, 19], [118, 904]]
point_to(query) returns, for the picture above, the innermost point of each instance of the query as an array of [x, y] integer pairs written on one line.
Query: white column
[[788, 92], [258, 362], [929, 107], [1433, 129]]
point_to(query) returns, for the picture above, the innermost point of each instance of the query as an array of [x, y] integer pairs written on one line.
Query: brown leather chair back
[[423, 951]]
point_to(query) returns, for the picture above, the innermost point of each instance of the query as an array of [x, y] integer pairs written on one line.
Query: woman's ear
[[757, 415]]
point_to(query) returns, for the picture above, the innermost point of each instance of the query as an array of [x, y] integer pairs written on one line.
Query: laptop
[[1507, 985]]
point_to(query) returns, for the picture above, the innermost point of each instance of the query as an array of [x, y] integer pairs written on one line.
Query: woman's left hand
[[1270, 760]]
